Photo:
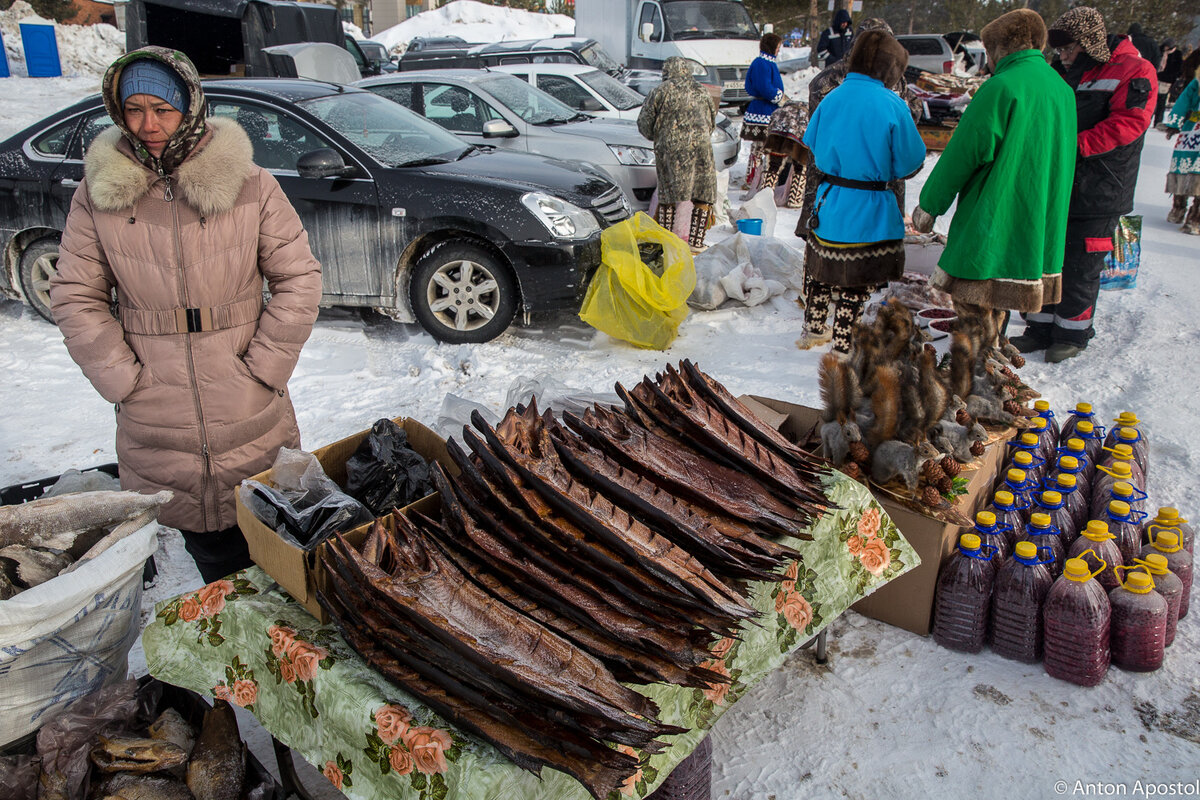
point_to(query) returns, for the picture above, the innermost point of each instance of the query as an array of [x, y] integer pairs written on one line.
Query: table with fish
[[245, 640]]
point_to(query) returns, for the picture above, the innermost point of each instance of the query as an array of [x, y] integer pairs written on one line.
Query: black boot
[[1035, 337], [699, 227], [1192, 223], [665, 215]]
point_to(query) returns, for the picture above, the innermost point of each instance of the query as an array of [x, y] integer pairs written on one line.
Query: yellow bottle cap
[[1167, 516], [1122, 451], [1122, 489], [1122, 470], [1139, 582], [1023, 459], [969, 541], [1039, 423], [1016, 475], [1083, 408], [1118, 508], [1076, 569], [1051, 498], [1029, 439], [1097, 530], [1085, 427], [1156, 563], [1027, 549], [1003, 498], [1066, 480], [1041, 405], [1075, 445], [1167, 542], [1127, 434], [1069, 462], [1126, 418], [985, 518], [1039, 520]]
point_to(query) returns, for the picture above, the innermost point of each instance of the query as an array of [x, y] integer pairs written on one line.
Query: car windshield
[[594, 55], [530, 104], [391, 134], [374, 50], [709, 19], [612, 90]]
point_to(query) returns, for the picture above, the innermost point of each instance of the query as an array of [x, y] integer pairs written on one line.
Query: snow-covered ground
[[891, 714]]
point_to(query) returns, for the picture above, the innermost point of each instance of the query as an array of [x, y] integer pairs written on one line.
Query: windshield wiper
[[470, 151], [424, 162]]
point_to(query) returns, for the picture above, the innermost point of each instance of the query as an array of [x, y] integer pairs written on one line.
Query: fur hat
[[878, 55], [1009, 33], [1084, 25]]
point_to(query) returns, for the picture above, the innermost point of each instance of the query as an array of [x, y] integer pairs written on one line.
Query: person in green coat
[[1011, 163]]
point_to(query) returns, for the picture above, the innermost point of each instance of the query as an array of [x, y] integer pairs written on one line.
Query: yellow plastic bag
[[626, 299]]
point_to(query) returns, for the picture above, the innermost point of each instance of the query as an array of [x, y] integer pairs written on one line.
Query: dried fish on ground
[[217, 769], [129, 786], [136, 755], [56, 522], [35, 565]]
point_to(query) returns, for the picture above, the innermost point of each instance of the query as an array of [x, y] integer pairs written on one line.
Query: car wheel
[[39, 263], [461, 293]]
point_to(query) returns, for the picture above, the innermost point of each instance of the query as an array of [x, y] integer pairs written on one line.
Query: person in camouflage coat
[[825, 82], [678, 116]]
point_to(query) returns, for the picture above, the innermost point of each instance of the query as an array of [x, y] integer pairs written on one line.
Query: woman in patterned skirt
[[1183, 180], [765, 85]]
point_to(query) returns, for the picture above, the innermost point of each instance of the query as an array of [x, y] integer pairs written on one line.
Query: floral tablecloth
[[244, 639]]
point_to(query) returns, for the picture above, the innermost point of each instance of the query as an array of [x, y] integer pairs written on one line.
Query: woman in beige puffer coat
[[185, 232]]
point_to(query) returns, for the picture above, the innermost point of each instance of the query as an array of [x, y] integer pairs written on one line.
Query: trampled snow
[[892, 714]]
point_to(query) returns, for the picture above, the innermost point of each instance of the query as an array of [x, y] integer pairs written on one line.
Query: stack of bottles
[[1065, 566]]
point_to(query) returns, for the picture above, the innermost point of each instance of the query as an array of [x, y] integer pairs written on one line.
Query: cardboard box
[[293, 568], [906, 602]]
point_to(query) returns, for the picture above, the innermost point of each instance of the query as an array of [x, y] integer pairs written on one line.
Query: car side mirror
[[323, 163], [647, 31], [498, 129], [591, 104]]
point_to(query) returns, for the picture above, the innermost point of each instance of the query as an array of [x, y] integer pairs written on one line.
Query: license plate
[[732, 85]]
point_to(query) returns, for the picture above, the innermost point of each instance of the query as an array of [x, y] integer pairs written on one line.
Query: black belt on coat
[[850, 183]]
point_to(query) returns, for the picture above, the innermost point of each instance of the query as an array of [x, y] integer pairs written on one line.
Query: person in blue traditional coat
[[861, 136], [765, 85]]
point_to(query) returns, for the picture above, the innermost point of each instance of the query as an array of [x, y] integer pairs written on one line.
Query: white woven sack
[[70, 635]]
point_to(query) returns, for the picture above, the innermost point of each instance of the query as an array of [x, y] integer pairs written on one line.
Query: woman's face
[[152, 120]]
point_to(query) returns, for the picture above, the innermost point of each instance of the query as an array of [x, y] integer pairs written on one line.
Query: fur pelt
[[1022, 29], [878, 55], [210, 179]]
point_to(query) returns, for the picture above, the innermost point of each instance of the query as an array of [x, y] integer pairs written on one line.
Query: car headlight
[[564, 220], [698, 69], [633, 156]]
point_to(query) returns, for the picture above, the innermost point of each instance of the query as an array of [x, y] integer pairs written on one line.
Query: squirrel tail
[[885, 402]]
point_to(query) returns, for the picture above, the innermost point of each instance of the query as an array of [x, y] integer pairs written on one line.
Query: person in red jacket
[[1115, 93]]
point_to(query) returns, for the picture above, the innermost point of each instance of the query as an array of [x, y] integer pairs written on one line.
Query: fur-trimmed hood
[[210, 178], [1010, 33], [877, 54]]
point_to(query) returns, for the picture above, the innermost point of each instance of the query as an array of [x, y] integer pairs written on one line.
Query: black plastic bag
[[304, 518], [384, 472]]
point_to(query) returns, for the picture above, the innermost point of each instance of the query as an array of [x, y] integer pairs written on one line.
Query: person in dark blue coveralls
[[836, 40]]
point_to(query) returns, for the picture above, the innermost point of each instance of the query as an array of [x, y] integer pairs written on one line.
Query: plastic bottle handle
[[1149, 568], [1142, 566], [1108, 471], [1103, 563]]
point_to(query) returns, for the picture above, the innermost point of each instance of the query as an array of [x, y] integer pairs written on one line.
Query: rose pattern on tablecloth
[[239, 686], [360, 710], [203, 607], [294, 659]]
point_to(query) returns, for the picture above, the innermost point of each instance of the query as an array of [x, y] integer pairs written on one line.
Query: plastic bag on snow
[[627, 299]]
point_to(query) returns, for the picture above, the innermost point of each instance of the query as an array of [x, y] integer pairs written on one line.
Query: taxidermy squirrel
[[840, 395], [950, 437], [893, 459]]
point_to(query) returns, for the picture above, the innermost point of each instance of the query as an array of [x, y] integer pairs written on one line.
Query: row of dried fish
[[569, 558], [45, 538]]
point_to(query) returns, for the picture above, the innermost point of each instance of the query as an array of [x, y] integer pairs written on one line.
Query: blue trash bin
[[41, 51], [3, 58]]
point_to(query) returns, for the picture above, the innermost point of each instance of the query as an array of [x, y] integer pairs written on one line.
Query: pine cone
[[1008, 373], [852, 469], [859, 452], [933, 473], [963, 418], [977, 449], [931, 497], [951, 467], [945, 485], [1014, 408], [1017, 360]]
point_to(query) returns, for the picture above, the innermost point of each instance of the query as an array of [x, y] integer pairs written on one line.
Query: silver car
[[492, 108], [585, 88]]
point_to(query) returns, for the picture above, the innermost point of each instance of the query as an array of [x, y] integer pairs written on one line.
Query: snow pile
[[475, 22], [353, 30], [84, 50]]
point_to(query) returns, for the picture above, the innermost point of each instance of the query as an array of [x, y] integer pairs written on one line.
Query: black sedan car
[[405, 217]]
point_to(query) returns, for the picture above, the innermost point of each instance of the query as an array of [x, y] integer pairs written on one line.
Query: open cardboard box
[[906, 602], [293, 568]]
